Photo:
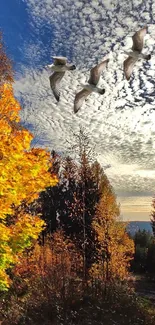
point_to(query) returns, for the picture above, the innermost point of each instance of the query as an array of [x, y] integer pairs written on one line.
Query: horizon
[[133, 205]]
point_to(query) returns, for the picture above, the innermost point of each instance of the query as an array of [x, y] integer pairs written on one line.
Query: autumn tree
[[115, 249], [24, 172], [56, 263], [100, 177], [6, 72]]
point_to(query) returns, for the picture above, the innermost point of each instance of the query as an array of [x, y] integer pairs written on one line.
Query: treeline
[[77, 272]]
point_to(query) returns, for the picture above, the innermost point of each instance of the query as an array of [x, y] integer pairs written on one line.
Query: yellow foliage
[[9, 106], [56, 263], [24, 172], [115, 247]]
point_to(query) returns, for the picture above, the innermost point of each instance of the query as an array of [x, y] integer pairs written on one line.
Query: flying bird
[[136, 53], [60, 66], [95, 74]]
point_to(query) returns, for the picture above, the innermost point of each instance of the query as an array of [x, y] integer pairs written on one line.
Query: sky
[[120, 123]]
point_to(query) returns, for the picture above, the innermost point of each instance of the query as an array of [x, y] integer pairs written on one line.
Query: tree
[[115, 249], [49, 200], [144, 257], [71, 204], [6, 72], [142, 240], [24, 172], [83, 194], [150, 261], [100, 177]]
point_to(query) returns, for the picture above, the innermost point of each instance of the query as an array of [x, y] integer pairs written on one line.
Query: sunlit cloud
[[135, 208], [120, 124]]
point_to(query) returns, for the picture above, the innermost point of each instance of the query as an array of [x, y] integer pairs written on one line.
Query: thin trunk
[[106, 257]]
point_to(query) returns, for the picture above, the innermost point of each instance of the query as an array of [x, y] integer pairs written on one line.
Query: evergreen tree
[[48, 203], [150, 260]]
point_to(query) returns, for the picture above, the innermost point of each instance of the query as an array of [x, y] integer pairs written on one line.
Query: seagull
[[136, 53], [59, 67], [95, 73]]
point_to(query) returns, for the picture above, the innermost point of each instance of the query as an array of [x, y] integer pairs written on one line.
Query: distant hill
[[134, 226]]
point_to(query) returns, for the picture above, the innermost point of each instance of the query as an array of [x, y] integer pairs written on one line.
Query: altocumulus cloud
[[120, 123]]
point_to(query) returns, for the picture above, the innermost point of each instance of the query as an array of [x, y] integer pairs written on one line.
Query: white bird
[[59, 67], [91, 86], [136, 53]]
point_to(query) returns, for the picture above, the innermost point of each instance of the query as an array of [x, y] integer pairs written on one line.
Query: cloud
[[120, 123]]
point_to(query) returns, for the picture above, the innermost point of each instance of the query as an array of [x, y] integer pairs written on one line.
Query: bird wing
[[79, 99], [128, 66], [59, 60], [138, 39], [96, 72], [55, 79]]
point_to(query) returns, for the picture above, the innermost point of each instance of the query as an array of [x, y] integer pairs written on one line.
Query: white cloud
[[121, 123]]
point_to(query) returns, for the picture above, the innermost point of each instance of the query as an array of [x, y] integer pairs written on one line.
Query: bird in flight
[[95, 74], [59, 67], [136, 53]]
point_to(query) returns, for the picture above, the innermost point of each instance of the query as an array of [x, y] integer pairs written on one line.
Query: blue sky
[[15, 25], [18, 31], [120, 124]]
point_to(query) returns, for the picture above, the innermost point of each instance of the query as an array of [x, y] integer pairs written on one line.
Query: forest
[[65, 254]]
